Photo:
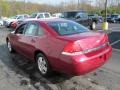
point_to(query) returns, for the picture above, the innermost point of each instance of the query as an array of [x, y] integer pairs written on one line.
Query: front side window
[[40, 16], [33, 15], [71, 14], [47, 15], [85, 15], [114, 16], [20, 17], [20, 29], [81, 15], [31, 29], [67, 27]]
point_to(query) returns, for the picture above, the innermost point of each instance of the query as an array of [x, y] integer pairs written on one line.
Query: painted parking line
[[118, 50], [115, 42]]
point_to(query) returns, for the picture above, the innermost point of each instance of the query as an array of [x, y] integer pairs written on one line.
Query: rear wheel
[[43, 65]]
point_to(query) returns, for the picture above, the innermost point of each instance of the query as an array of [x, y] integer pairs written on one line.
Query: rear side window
[[67, 27], [31, 29], [40, 31]]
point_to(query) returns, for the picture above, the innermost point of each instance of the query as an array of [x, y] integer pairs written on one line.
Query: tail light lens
[[72, 48], [75, 49]]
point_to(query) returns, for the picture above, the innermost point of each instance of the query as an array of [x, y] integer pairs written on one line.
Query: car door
[[17, 36], [29, 39], [82, 18], [79, 18], [85, 19]]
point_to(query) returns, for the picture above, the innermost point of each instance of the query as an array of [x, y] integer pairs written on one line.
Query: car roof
[[47, 20]]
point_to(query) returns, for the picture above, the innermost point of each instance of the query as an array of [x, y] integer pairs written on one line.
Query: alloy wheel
[[9, 46], [42, 65], [93, 25]]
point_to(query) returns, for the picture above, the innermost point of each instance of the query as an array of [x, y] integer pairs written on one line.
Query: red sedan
[[60, 45]]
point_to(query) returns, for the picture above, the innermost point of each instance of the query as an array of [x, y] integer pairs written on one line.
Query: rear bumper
[[81, 65], [89, 64]]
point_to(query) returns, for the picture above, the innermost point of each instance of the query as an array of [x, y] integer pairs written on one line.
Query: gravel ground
[[17, 73]]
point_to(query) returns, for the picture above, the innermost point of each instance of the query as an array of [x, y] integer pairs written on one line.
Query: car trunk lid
[[87, 40]]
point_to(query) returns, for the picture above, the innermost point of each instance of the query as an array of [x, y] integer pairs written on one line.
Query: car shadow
[[20, 65]]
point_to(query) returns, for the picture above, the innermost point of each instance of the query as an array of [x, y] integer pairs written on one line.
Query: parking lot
[[17, 73]]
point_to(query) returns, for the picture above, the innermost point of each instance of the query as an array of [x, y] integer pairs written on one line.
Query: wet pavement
[[17, 73]]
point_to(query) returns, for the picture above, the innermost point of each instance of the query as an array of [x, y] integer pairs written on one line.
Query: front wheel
[[10, 47], [114, 21], [43, 65], [93, 26]]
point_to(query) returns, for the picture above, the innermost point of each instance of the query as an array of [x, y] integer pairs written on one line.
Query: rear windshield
[[67, 27]]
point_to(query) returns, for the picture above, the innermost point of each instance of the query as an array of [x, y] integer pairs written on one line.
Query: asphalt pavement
[[17, 73]]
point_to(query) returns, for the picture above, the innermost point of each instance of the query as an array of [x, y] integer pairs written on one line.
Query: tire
[[10, 47], [114, 21], [93, 26], [43, 65]]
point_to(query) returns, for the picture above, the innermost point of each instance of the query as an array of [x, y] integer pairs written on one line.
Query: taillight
[[72, 48], [75, 49]]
